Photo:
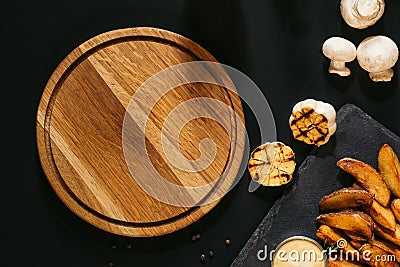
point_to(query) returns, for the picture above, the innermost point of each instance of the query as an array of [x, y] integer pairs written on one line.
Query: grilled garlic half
[[313, 122], [272, 164]]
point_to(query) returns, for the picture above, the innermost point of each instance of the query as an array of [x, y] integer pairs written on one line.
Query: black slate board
[[358, 136]]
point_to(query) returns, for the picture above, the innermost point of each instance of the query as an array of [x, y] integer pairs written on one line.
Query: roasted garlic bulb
[[313, 122], [272, 164]]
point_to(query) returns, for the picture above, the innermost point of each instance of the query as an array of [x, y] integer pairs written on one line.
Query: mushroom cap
[[339, 49], [367, 9], [361, 14], [377, 53]]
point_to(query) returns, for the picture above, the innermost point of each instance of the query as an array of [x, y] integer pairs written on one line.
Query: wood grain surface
[[79, 131]]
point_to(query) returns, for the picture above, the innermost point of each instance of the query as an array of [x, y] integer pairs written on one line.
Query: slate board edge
[[266, 223]]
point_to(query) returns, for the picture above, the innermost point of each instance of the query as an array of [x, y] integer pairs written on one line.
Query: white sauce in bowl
[[299, 251]]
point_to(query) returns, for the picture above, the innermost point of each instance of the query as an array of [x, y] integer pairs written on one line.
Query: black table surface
[[276, 43]]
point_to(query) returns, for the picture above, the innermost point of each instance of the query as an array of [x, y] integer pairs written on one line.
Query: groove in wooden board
[[121, 84]]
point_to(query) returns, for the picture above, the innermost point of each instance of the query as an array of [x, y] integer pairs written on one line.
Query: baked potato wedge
[[355, 236], [382, 215], [387, 246], [357, 186], [392, 236], [355, 221], [368, 178], [357, 244], [387, 161], [397, 163], [374, 256], [331, 236], [346, 198], [395, 207], [343, 263]]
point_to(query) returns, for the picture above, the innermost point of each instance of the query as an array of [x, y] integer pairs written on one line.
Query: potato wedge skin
[[343, 263], [397, 164], [368, 178], [382, 215], [392, 236], [395, 207], [386, 246], [387, 169], [355, 221], [375, 253], [346, 198]]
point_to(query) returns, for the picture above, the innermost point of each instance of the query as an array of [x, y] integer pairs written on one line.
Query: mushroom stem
[[382, 76], [339, 67]]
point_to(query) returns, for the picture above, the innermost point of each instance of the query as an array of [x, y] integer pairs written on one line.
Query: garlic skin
[[339, 51], [313, 122], [361, 14], [377, 55]]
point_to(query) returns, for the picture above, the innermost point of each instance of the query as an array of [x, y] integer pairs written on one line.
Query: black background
[[276, 43]]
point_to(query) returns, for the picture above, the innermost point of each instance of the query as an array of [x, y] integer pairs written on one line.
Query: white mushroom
[[340, 51], [377, 55], [361, 14]]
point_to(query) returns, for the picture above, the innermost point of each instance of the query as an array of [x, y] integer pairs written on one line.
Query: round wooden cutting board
[[80, 124]]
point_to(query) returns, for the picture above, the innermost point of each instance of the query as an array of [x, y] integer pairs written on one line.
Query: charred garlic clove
[[272, 164], [377, 55], [361, 14], [313, 122], [339, 51]]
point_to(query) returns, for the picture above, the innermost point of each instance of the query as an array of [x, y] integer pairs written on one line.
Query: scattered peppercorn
[[195, 237], [227, 242], [202, 257], [211, 253]]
